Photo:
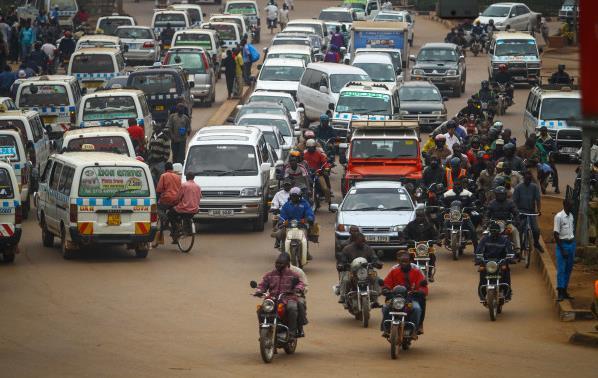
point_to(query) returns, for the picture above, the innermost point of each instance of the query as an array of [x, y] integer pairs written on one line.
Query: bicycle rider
[[187, 203]]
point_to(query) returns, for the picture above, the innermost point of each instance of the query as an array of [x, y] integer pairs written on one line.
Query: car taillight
[[154, 213], [148, 45], [74, 216], [18, 214], [204, 59], [73, 117]]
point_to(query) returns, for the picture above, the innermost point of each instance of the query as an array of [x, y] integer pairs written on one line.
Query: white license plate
[[220, 213], [377, 238], [519, 78], [569, 150]]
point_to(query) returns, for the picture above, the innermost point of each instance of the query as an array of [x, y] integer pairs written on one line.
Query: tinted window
[[36, 128], [108, 25], [134, 33], [281, 73], [378, 71], [560, 109], [174, 19], [5, 184], [43, 95], [286, 101], [96, 63], [419, 94], [190, 61], [364, 102], [55, 176], [66, 180], [439, 55], [377, 199], [228, 32], [116, 144], [281, 124], [337, 81], [241, 8], [154, 83], [335, 16], [98, 108]]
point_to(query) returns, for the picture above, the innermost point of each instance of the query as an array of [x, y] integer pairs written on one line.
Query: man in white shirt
[[451, 137], [280, 198], [271, 15], [565, 249]]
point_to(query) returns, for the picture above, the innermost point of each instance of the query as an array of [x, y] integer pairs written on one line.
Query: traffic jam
[[339, 129]]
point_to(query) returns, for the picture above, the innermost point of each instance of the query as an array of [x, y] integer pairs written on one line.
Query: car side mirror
[[265, 167], [265, 49], [334, 207], [297, 133], [293, 122], [191, 84], [259, 67], [412, 58], [461, 58], [253, 284], [323, 89]]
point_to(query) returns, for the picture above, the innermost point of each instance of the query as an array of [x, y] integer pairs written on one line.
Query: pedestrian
[[7, 78], [3, 52], [230, 71], [238, 71], [158, 151], [13, 44], [250, 55], [50, 50], [179, 126], [5, 30], [528, 200], [25, 40], [565, 249], [283, 16]]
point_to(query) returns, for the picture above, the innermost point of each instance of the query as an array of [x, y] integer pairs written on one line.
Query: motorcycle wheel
[[529, 248], [266, 347], [289, 348], [406, 344], [394, 342], [492, 305], [454, 248], [295, 257], [365, 309], [499, 309]]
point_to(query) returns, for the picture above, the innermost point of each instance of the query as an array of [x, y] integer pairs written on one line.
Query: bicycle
[[183, 231], [527, 239]]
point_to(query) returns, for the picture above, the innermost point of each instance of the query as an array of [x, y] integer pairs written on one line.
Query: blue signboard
[[385, 39]]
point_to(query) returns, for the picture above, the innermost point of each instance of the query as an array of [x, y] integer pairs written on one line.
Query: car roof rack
[[384, 124]]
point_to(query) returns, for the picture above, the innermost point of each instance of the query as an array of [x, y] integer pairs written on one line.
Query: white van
[[232, 166], [88, 198], [229, 32], [94, 66], [178, 20], [196, 15], [12, 151], [10, 213], [380, 68], [207, 39], [99, 139], [55, 97], [109, 24], [318, 25], [519, 51], [114, 107], [241, 21], [304, 53], [321, 84]]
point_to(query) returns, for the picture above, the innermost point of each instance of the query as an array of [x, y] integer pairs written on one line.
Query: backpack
[[253, 53]]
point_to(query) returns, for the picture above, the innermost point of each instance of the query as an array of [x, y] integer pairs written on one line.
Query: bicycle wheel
[[529, 247], [185, 242]]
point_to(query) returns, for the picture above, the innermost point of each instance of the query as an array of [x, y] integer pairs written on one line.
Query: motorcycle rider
[[282, 280], [297, 173], [280, 198], [433, 173], [272, 15], [470, 109], [441, 151], [458, 193], [560, 76], [453, 172], [504, 209], [514, 161], [550, 147], [484, 182], [357, 248], [324, 132], [494, 246], [457, 153], [297, 209], [421, 229], [317, 160], [451, 36], [504, 77], [416, 284], [511, 178], [486, 94], [166, 35], [477, 31]]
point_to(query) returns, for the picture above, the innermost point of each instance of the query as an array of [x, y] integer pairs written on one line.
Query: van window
[[66, 180], [530, 100], [228, 19], [9, 147], [516, 47], [37, 128], [5, 184], [226, 32], [14, 124], [112, 143], [109, 25], [190, 61], [241, 8], [120, 181], [263, 149], [76, 91], [43, 95], [194, 15], [194, 39], [536, 106], [174, 19], [364, 103], [338, 81], [143, 103], [560, 109], [92, 63], [222, 159], [120, 62], [155, 83], [46, 173], [55, 176], [119, 107]]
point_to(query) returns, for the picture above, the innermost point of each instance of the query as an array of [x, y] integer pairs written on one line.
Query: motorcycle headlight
[[455, 215], [491, 266], [418, 71], [251, 192], [294, 223], [268, 305], [398, 303], [362, 274], [421, 249], [451, 72]]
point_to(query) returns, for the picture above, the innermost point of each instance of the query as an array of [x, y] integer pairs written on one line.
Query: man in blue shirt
[[297, 209], [7, 77]]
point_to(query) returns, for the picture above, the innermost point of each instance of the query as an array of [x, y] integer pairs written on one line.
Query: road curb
[[585, 338], [228, 107]]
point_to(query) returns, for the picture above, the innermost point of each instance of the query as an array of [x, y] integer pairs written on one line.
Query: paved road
[[109, 314]]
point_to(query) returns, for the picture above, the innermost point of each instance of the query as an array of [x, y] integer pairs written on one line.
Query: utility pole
[[589, 132], [575, 23]]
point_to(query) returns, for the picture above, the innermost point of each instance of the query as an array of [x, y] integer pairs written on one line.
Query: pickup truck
[[380, 34]]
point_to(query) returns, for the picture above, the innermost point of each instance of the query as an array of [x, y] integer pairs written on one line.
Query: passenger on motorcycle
[[512, 178], [494, 246], [504, 77], [458, 193], [457, 153], [503, 209], [532, 152], [441, 151], [298, 174], [282, 196], [297, 209], [560, 76], [433, 173], [421, 229], [187, 203], [301, 299], [470, 109], [282, 280], [486, 94], [484, 182], [357, 248], [453, 172], [317, 160], [413, 279], [498, 151]]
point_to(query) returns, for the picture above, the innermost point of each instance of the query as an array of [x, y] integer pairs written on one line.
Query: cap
[[500, 142], [310, 143], [177, 168], [295, 190]]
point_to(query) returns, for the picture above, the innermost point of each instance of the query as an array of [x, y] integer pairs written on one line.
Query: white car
[[291, 52], [398, 16], [518, 15], [280, 149], [345, 16], [286, 99], [280, 122], [141, 44], [280, 75], [318, 25], [379, 67]]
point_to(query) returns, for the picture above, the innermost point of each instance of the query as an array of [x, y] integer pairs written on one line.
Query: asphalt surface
[[107, 313]]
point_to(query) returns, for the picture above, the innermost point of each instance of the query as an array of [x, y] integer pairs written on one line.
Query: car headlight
[[250, 192], [451, 72], [268, 305], [403, 112], [398, 303], [455, 215], [533, 65], [362, 274], [437, 112], [418, 71], [491, 266], [397, 228]]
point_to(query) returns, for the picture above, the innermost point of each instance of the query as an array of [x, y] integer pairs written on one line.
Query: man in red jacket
[[414, 281], [316, 160]]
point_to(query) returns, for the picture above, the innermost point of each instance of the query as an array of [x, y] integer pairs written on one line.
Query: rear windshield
[[5, 184], [286, 101], [174, 19], [108, 26], [335, 16], [98, 108], [290, 41], [317, 28], [226, 32], [64, 5], [288, 55], [280, 124], [116, 144], [194, 39], [194, 15], [96, 63], [43, 95], [154, 83], [113, 182], [241, 8], [8, 148], [134, 33], [232, 19], [14, 124], [190, 61]]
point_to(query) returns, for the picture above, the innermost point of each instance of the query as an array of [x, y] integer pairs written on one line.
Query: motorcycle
[[471, 125], [316, 191], [503, 100], [476, 44], [494, 293], [361, 297], [456, 238], [274, 333], [296, 243], [420, 254], [402, 331]]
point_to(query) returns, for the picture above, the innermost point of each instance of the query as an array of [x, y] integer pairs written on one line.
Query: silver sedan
[[140, 44]]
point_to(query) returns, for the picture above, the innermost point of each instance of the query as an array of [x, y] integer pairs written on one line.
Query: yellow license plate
[[159, 107], [166, 47], [48, 119], [92, 84], [113, 220]]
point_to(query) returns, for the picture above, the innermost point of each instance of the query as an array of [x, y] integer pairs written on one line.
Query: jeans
[[301, 313], [25, 51], [413, 316], [534, 225], [564, 265], [178, 152], [247, 72], [292, 314]]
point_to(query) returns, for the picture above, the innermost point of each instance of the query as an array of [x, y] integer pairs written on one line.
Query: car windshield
[[241, 8], [194, 39], [377, 199], [64, 5], [419, 94], [305, 57], [383, 148], [338, 81], [108, 25], [335, 16], [6, 190], [389, 17], [364, 103], [154, 83], [190, 61], [516, 47], [174, 19], [437, 55], [222, 160], [100, 108], [378, 71], [134, 33], [8, 148], [43, 95], [560, 109], [281, 73], [286, 101], [280, 124], [111, 181], [93, 63], [116, 144], [496, 11]]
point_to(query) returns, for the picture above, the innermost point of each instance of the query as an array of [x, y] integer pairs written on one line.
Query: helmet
[[295, 191], [509, 146], [295, 153], [491, 22], [485, 83], [309, 134], [498, 125], [455, 162], [358, 263], [440, 137], [502, 67], [324, 118], [500, 193], [470, 101], [37, 45], [22, 74], [310, 143], [494, 228], [498, 181], [477, 22]]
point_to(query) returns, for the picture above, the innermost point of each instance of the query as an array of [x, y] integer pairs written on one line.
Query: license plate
[[569, 150], [166, 47], [48, 119], [377, 238], [159, 107], [92, 84], [519, 78], [219, 213], [113, 220]]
